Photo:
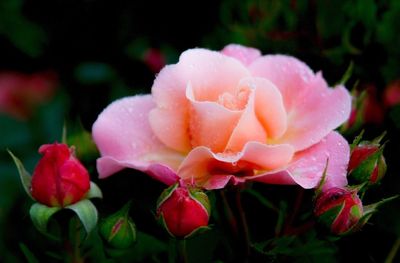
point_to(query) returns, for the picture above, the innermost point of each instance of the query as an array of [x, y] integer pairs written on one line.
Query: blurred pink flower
[[391, 96], [154, 59], [373, 109], [229, 116], [21, 93]]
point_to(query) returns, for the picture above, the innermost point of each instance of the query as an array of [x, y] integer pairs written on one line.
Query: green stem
[[292, 217], [182, 253], [229, 213], [243, 222], [393, 251]]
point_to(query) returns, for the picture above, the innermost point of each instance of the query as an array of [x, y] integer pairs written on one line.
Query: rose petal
[[248, 129], [210, 73], [124, 138], [246, 55], [313, 108], [308, 166], [202, 164], [108, 165], [169, 120], [210, 123]]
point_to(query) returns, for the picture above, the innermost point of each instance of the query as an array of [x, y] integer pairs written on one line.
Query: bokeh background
[[64, 61]]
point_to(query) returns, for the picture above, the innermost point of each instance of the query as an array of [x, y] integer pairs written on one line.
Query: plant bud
[[59, 179], [339, 209], [183, 210], [118, 229], [367, 163]]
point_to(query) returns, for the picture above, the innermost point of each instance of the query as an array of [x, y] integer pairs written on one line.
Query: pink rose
[[229, 116]]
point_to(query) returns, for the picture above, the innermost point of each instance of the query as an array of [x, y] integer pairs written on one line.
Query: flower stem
[[289, 223], [243, 223], [182, 253], [229, 213], [393, 251]]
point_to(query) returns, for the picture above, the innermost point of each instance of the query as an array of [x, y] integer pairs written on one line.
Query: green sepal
[[25, 177], [370, 210], [161, 221], [198, 231], [321, 183], [200, 197], [357, 140], [346, 76], [166, 194], [86, 212], [94, 191], [364, 170], [330, 215], [378, 139], [64, 133], [41, 214]]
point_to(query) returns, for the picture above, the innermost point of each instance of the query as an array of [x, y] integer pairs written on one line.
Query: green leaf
[[94, 191], [28, 254], [86, 212], [346, 76], [25, 177], [41, 214], [64, 133], [146, 246]]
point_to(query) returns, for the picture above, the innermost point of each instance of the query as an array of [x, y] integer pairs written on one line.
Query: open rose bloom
[[227, 117]]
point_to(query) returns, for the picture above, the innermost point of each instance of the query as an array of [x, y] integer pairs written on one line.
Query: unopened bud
[[339, 209], [118, 229], [367, 163], [183, 211], [59, 178]]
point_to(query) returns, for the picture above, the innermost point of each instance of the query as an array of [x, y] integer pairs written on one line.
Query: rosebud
[[119, 229], [59, 179], [183, 210], [339, 209], [367, 163], [154, 59], [391, 95]]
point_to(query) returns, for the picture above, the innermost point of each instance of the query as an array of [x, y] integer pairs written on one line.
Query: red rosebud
[[59, 179], [340, 209], [367, 163], [183, 211]]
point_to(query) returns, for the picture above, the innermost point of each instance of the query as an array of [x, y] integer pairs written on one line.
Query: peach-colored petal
[[210, 73], [308, 166], [124, 138], [169, 120], [246, 55], [171, 127], [201, 165], [313, 109], [210, 123], [248, 129]]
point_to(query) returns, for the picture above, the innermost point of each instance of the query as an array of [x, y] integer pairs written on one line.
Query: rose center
[[237, 101]]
